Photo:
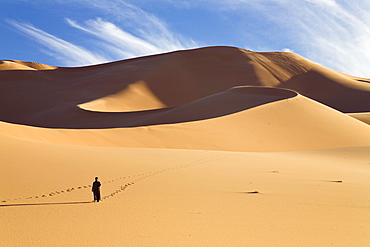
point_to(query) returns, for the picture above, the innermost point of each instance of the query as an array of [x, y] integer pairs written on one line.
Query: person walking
[[96, 189]]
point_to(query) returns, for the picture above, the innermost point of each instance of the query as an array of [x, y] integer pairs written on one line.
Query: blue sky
[[334, 33]]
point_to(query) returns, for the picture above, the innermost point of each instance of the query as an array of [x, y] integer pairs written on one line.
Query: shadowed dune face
[[234, 100], [228, 102], [136, 91], [333, 90], [242, 119]]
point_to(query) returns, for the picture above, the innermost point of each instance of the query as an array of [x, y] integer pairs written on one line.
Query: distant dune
[[216, 146]]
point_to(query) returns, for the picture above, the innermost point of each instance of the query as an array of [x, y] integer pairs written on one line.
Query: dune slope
[[239, 119], [41, 96]]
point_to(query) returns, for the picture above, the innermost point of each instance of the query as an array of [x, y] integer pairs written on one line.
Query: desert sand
[[216, 146]]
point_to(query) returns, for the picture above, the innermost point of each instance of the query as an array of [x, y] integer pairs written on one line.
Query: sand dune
[[22, 65], [364, 116], [239, 119], [167, 80], [217, 146]]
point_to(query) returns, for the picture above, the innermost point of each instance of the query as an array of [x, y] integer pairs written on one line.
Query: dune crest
[[363, 117]]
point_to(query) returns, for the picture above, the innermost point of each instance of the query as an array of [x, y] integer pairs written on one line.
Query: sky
[[69, 33]]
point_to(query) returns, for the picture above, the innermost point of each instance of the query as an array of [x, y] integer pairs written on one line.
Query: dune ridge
[[363, 117]]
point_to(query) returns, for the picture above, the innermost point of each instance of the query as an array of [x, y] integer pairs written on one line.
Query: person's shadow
[[42, 204]]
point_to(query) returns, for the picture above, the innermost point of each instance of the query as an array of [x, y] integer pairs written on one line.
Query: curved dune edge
[[139, 96], [227, 103], [363, 117], [292, 124], [220, 104]]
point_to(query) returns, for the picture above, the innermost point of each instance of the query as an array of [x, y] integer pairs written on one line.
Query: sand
[[216, 146], [364, 116]]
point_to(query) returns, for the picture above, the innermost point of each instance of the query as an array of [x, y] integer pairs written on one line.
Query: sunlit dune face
[[136, 97]]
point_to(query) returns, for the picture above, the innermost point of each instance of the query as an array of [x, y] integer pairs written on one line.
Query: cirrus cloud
[[132, 32], [334, 33], [66, 52]]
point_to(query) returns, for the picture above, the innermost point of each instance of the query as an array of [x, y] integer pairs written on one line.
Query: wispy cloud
[[131, 32], [287, 50], [334, 33], [66, 52], [125, 44], [138, 28], [128, 44]]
